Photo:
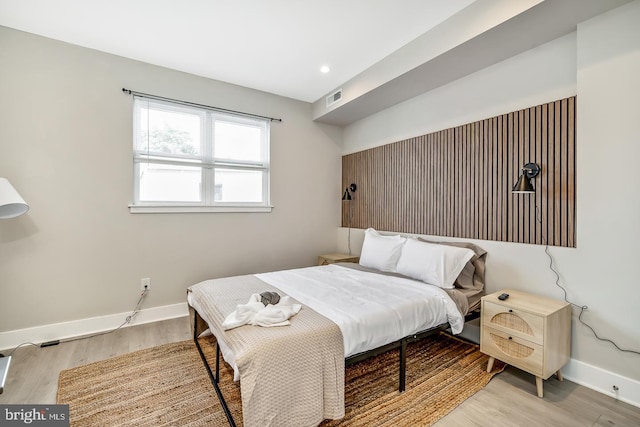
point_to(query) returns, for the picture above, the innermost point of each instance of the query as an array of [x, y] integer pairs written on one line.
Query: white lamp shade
[[11, 204]]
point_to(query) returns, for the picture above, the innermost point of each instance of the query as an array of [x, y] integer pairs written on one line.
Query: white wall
[[66, 146], [601, 64], [607, 212], [535, 77]]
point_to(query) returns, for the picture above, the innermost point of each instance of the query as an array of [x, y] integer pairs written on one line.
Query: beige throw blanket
[[289, 376]]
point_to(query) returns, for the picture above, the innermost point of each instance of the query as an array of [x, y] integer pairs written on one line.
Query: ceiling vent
[[334, 98]]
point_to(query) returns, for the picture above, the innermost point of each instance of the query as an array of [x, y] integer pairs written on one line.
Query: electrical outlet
[[145, 284]]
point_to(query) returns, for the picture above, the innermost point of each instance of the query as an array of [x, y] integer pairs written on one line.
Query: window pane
[[180, 150], [237, 141], [168, 131], [168, 183], [238, 186]]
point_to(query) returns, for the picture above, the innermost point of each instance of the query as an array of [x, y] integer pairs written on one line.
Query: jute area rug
[[168, 386]]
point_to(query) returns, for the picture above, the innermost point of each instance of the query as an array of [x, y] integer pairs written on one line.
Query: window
[[190, 159]]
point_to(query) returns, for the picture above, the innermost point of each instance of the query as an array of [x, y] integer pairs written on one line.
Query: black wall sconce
[[347, 196], [347, 192], [524, 184]]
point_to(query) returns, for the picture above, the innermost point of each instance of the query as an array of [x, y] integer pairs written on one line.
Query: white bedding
[[371, 309]]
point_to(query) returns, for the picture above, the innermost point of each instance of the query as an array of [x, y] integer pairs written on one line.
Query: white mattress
[[371, 309]]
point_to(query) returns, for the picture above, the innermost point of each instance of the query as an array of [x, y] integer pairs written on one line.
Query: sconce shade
[[524, 184], [11, 204]]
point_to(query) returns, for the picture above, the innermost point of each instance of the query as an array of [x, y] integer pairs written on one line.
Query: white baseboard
[[603, 381], [92, 325], [578, 372]]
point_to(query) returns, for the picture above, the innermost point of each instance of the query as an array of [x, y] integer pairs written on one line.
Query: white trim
[[136, 209], [92, 325], [603, 381], [578, 372]]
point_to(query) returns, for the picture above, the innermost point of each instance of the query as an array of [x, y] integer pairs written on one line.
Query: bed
[[294, 375]]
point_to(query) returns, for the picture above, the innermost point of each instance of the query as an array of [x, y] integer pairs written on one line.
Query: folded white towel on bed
[[256, 313]]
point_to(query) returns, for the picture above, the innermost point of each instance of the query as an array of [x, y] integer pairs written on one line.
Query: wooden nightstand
[[332, 258], [527, 331]]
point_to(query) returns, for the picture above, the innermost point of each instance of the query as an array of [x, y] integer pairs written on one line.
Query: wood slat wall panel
[[457, 182]]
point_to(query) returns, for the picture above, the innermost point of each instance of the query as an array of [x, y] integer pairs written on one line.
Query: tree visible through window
[[169, 140]]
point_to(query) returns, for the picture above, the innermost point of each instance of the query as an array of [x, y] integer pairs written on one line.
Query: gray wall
[[66, 146]]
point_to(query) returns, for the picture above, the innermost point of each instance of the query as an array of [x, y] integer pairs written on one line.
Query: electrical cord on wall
[[349, 232], [581, 307], [127, 320]]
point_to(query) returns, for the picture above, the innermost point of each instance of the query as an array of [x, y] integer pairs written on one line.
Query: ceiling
[[277, 46], [483, 34], [381, 52]]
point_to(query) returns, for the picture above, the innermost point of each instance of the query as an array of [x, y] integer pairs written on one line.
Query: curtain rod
[[193, 104]]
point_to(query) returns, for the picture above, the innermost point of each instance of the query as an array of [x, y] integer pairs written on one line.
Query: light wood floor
[[508, 400]]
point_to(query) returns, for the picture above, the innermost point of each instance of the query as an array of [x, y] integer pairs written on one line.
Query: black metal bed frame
[[401, 344]]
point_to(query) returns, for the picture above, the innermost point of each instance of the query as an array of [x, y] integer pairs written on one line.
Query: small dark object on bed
[[269, 298], [503, 297]]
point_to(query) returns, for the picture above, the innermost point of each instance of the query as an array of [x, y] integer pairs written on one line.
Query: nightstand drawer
[[514, 322], [513, 350]]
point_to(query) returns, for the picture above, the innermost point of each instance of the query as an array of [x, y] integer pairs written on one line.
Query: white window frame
[[206, 160]]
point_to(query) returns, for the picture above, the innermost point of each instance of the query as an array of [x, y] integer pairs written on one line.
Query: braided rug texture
[[168, 386]]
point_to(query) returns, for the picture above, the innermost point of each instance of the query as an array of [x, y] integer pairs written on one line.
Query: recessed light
[[325, 69]]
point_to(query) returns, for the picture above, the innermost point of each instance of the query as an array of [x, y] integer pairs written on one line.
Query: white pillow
[[437, 265], [380, 252]]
